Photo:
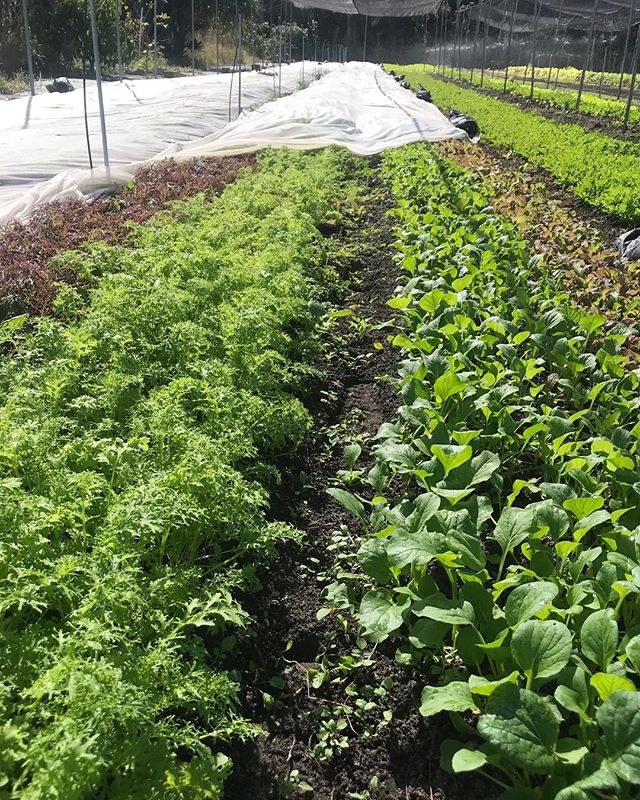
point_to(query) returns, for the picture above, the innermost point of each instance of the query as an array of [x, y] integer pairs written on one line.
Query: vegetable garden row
[[486, 550]]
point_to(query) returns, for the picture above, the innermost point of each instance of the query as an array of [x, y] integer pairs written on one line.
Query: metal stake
[[484, 44], [27, 39], [632, 9], [534, 47], [96, 60], [118, 42], [240, 59], [555, 41], [193, 39], [155, 38], [584, 68], [366, 30], [634, 73], [509, 44], [475, 48]]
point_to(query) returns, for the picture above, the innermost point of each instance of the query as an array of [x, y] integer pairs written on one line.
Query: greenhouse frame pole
[[27, 39], [555, 41], [193, 38], [625, 52], [509, 46], [366, 31], [634, 73], [586, 64], [484, 44], [116, 8], [96, 59]]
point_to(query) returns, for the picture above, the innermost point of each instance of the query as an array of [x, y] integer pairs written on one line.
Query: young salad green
[[501, 519]]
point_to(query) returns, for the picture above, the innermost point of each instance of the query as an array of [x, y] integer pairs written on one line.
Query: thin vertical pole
[[193, 39], [303, 54], [627, 40], [240, 59], [484, 44], [118, 41], [217, 39], [475, 48], [604, 66], [366, 30], [291, 33], [634, 73], [509, 45], [534, 47], [555, 42], [155, 38], [586, 64], [27, 39], [280, 63], [96, 59]]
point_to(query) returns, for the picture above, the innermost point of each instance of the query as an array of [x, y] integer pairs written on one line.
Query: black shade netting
[[525, 16]]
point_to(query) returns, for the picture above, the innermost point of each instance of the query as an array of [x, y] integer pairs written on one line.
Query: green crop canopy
[[374, 8]]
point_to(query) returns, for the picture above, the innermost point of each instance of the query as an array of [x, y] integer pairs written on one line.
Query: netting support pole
[[303, 55], [634, 74], [116, 4], [456, 31], [484, 44], [96, 60], [240, 61], [366, 31], [193, 38], [509, 45], [27, 39], [604, 66], [586, 64], [534, 47], [217, 38], [625, 52], [475, 48], [555, 42], [291, 33], [155, 38]]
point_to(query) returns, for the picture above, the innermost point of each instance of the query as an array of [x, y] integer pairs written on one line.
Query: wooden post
[[27, 39], [634, 73], [509, 45], [586, 64]]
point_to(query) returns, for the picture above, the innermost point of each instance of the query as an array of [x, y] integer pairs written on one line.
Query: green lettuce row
[[599, 169], [560, 98], [137, 436], [502, 543]]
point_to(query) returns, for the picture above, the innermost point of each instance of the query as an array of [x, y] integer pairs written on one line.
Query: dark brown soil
[[403, 757], [591, 122], [28, 274]]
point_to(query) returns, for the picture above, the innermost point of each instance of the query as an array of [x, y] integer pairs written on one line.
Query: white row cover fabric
[[356, 105], [375, 8], [43, 138]]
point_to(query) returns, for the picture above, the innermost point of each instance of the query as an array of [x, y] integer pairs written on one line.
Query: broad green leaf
[[380, 615], [606, 684], [349, 501], [486, 688], [527, 600], [372, 557], [414, 548], [599, 638], [542, 647], [352, 454], [427, 633], [583, 506], [619, 718], [455, 696], [440, 609], [514, 526], [424, 507], [521, 727], [633, 652], [467, 760], [451, 455], [570, 700], [448, 385]]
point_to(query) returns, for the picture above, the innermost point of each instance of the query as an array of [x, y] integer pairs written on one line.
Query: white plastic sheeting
[[355, 105]]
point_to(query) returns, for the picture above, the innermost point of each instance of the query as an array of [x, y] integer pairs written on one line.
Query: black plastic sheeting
[[572, 15], [375, 8]]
